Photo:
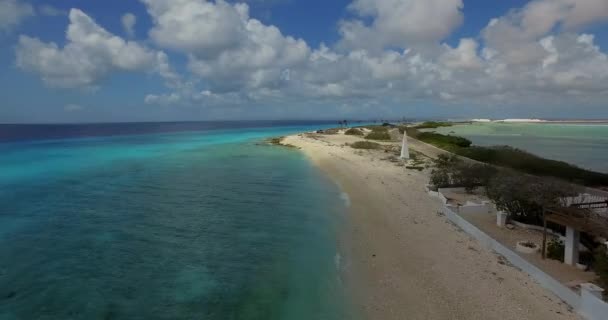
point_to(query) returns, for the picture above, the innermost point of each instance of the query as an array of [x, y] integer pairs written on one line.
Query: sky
[[66, 61]]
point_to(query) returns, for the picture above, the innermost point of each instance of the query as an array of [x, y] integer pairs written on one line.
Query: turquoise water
[[585, 145], [191, 225]]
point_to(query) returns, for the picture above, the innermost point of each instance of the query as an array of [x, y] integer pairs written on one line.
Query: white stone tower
[[405, 151]]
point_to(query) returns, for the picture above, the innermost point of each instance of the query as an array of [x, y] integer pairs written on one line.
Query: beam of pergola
[[579, 217]]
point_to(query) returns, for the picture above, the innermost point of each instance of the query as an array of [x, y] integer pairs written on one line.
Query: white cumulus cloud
[[90, 53], [393, 52], [12, 12], [400, 23], [128, 21], [201, 28]]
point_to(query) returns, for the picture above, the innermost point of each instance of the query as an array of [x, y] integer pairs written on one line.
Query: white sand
[[404, 261]]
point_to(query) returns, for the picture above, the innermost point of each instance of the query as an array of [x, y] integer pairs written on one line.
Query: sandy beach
[[403, 260]]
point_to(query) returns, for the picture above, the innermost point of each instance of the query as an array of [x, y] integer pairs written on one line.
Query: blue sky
[[294, 59]]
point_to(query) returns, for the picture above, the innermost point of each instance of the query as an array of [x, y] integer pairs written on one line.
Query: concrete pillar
[[571, 246], [405, 151], [591, 289], [501, 219]]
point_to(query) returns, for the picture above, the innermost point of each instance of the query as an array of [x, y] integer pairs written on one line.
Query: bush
[[471, 176], [524, 196], [450, 171], [419, 168], [378, 135], [555, 250], [447, 142], [433, 125], [600, 266], [440, 178], [366, 145], [441, 174], [354, 132], [513, 158], [377, 128], [506, 156], [276, 140], [329, 131]]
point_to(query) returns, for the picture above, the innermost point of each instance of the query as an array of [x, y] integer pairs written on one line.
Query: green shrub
[[513, 158], [471, 176], [600, 266], [329, 131], [509, 157], [441, 175], [419, 168], [555, 250], [366, 145], [276, 140], [377, 128], [378, 135], [354, 132], [524, 196], [444, 141], [450, 171], [433, 125]]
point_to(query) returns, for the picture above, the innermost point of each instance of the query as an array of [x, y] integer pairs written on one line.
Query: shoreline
[[404, 261]]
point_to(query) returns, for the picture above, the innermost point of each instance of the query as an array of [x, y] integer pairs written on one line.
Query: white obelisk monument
[[405, 151]]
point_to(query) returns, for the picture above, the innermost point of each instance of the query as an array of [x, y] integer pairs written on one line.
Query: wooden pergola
[[578, 217]]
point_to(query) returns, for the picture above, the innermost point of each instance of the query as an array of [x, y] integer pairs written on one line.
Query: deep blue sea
[[166, 221]]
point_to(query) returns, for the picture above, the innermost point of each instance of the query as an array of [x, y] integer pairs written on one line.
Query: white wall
[[586, 304], [592, 307]]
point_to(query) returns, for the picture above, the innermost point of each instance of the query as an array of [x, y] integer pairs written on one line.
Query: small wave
[[344, 196], [338, 261], [521, 120]]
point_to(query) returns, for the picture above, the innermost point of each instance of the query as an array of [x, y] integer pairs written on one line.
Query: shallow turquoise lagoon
[[585, 145]]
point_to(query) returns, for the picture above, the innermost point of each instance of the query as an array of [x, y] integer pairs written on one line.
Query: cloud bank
[[389, 51]]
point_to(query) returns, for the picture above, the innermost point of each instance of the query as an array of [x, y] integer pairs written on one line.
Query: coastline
[[403, 260]]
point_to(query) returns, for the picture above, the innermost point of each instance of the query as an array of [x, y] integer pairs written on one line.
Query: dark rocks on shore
[[278, 141]]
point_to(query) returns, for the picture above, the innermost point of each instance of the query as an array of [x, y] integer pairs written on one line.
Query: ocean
[[582, 144], [166, 221]]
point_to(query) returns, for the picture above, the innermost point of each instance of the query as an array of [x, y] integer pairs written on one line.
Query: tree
[[451, 171], [523, 196]]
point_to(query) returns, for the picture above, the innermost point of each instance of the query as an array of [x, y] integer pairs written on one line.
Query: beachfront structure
[[405, 151], [589, 217]]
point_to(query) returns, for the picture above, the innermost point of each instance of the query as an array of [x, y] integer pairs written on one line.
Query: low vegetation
[[600, 266], [419, 168], [520, 184], [509, 157], [522, 196], [276, 140], [378, 135], [377, 128], [366, 145], [520, 160], [329, 131], [450, 171], [354, 132], [447, 142], [433, 125], [555, 249]]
